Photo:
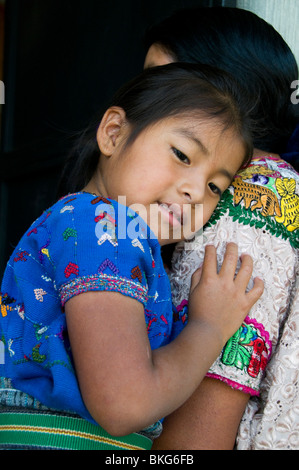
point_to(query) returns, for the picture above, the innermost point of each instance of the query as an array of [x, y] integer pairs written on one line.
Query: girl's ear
[[111, 130]]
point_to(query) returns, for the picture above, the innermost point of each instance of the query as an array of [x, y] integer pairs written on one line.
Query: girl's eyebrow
[[227, 174], [189, 134]]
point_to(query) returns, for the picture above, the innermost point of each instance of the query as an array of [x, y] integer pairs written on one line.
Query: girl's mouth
[[172, 212]]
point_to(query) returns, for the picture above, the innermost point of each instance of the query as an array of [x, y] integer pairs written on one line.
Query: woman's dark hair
[[195, 90], [249, 48]]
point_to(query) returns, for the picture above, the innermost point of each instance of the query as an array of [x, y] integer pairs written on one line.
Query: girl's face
[[174, 172]]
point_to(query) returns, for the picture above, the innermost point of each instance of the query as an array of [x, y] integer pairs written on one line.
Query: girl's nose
[[192, 191]]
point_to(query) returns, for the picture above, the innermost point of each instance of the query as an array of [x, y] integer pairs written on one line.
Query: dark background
[[62, 60]]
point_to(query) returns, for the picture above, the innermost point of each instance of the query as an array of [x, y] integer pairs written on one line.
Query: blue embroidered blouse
[[81, 243]]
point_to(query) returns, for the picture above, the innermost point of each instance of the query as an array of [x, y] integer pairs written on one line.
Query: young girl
[[86, 311]]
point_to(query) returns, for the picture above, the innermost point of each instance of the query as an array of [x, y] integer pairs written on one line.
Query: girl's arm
[[209, 420], [125, 385]]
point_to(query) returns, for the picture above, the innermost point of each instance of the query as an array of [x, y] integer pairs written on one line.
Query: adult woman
[[260, 211]]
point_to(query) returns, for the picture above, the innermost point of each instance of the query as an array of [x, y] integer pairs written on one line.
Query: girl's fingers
[[209, 266], [195, 278], [255, 293], [243, 277], [229, 266], [228, 273], [245, 272]]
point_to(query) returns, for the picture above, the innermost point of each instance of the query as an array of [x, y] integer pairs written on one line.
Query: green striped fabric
[[49, 431]]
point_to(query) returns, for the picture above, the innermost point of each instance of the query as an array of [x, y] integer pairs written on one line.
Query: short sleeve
[[100, 245]]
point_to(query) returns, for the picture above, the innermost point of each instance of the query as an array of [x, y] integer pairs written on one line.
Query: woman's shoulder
[[265, 168], [264, 195]]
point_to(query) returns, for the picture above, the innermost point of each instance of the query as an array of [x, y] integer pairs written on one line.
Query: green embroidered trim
[[246, 349], [252, 218], [234, 354]]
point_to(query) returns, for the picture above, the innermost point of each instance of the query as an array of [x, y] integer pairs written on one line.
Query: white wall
[[282, 14]]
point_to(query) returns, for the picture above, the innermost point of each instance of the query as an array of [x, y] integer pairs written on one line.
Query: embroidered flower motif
[[105, 229], [5, 301], [69, 208], [45, 251], [4, 309], [71, 268], [106, 237], [246, 350], [36, 356], [69, 232], [289, 203], [39, 294], [108, 264], [21, 256], [137, 243], [136, 273]]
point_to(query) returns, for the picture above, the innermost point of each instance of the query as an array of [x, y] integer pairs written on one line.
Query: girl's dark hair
[[249, 48], [193, 90]]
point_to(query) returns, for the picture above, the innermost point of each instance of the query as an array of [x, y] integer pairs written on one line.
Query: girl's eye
[[215, 189], [181, 156]]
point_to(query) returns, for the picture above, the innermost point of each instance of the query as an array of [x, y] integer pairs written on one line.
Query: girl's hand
[[220, 299]]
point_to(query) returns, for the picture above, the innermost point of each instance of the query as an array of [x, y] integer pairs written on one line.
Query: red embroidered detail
[[135, 272], [70, 200], [258, 359], [101, 199], [71, 268], [153, 320], [181, 312], [100, 217], [105, 215], [21, 256], [34, 230]]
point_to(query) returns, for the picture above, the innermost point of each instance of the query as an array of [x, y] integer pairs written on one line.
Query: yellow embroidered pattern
[[289, 203], [262, 197]]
